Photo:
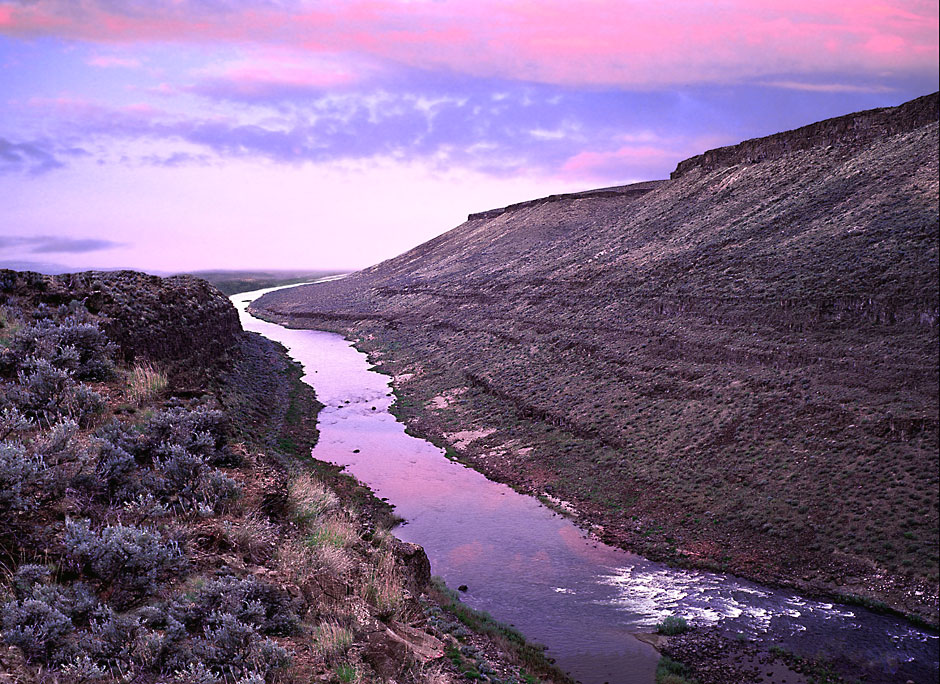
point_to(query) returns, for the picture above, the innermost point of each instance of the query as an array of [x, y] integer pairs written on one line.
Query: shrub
[[77, 346], [28, 576], [58, 438], [235, 648], [43, 389], [672, 625], [114, 468], [127, 557], [75, 601], [180, 470], [83, 669], [111, 640], [219, 489], [35, 626], [200, 431], [12, 421], [119, 435], [195, 673], [20, 471], [83, 404], [257, 604]]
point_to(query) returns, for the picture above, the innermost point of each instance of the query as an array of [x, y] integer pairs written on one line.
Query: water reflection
[[534, 569]]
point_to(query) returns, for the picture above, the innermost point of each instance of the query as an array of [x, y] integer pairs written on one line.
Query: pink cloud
[[601, 42], [611, 164], [106, 61], [268, 75]]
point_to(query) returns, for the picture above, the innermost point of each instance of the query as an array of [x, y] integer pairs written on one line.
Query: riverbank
[[496, 438], [300, 347], [161, 519]]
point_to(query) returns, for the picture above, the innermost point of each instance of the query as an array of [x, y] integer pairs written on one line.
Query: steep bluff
[[739, 360]]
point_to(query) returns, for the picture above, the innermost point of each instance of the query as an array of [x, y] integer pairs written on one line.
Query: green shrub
[[346, 673], [672, 625], [669, 671]]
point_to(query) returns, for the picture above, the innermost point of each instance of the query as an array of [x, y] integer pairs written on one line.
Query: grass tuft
[[145, 382]]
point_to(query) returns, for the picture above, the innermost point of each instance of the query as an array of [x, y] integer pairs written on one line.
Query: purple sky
[[188, 134]]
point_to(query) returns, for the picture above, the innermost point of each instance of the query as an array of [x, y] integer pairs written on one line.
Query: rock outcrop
[[181, 322]]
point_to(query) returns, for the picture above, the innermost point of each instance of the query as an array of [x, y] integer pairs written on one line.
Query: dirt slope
[[737, 367]]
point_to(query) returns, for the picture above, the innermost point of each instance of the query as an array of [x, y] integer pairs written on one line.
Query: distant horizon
[[47, 268], [179, 135]]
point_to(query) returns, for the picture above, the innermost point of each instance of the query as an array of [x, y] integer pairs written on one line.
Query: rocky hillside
[[161, 521], [736, 368]]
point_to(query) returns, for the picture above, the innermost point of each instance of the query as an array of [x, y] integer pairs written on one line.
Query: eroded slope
[[737, 367]]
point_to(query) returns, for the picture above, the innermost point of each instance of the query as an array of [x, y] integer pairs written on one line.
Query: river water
[[530, 567]]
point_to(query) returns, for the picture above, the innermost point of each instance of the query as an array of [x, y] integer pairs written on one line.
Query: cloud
[[30, 157], [619, 43], [51, 244], [530, 129], [828, 87], [278, 77], [110, 61]]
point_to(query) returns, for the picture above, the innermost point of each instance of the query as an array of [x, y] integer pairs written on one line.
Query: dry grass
[[310, 499], [254, 537], [433, 673], [299, 561], [332, 640], [145, 382], [340, 531], [383, 587]]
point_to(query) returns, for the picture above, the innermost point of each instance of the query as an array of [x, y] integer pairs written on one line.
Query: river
[[534, 569]]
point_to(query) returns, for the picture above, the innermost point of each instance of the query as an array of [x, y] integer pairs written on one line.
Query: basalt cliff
[[734, 368]]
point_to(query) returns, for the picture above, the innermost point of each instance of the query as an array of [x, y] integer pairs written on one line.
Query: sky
[[174, 135]]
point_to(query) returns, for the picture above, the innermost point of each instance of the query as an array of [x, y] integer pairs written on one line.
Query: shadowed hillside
[[736, 368]]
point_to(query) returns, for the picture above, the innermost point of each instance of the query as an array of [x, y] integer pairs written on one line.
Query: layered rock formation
[[736, 367]]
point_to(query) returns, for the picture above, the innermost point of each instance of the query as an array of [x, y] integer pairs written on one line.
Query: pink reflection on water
[[466, 554]]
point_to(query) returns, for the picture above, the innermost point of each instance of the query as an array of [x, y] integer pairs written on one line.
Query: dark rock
[[415, 560]]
